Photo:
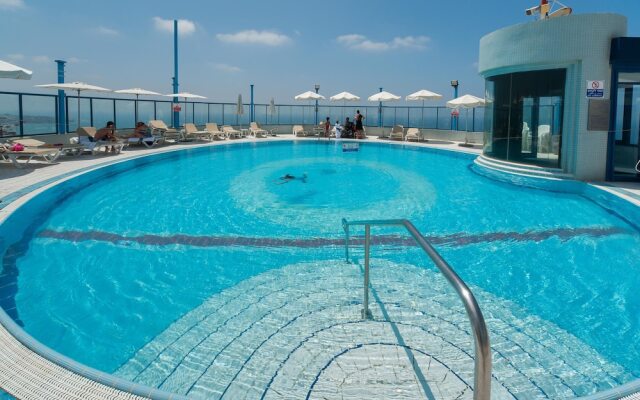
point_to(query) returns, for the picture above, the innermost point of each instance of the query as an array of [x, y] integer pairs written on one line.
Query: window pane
[[524, 117], [9, 115], [163, 112], [145, 111], [125, 114], [102, 112], [72, 113], [215, 113], [200, 110], [39, 114]]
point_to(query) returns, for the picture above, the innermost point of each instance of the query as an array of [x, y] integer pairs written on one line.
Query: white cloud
[[102, 30], [267, 38], [185, 27], [12, 4], [361, 42], [226, 68], [41, 59], [15, 57]]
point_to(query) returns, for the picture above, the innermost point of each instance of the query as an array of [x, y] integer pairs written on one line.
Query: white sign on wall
[[595, 89]]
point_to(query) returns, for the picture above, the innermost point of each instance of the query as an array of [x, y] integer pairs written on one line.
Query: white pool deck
[[27, 375]]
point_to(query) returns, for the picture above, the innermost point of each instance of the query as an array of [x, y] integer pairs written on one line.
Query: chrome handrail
[[482, 370]]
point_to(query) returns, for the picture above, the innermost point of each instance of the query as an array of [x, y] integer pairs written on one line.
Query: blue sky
[[283, 47]]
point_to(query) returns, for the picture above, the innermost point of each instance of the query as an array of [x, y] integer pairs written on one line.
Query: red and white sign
[[595, 89]]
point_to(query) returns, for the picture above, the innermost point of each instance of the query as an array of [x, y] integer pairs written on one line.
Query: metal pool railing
[[482, 370]]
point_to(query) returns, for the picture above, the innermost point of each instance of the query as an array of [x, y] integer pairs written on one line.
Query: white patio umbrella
[[380, 97], [137, 92], [466, 101], [308, 96], [10, 71], [272, 109], [185, 96], [239, 107], [77, 86], [423, 95], [344, 97]]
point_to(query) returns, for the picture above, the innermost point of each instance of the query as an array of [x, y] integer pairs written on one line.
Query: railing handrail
[[482, 370]]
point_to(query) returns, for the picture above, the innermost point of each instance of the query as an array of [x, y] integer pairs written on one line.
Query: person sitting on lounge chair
[[141, 130], [107, 134], [349, 129]]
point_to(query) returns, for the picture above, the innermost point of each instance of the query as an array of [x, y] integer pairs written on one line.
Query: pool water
[[122, 263]]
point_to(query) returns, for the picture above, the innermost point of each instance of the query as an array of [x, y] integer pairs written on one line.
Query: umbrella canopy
[[383, 96], [272, 107], [239, 106], [423, 95], [309, 95], [466, 101], [185, 95], [77, 86], [137, 92], [344, 96], [10, 71]]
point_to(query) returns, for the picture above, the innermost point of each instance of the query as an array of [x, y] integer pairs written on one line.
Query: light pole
[[454, 119], [317, 87]]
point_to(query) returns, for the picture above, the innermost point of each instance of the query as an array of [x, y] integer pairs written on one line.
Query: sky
[[283, 47]]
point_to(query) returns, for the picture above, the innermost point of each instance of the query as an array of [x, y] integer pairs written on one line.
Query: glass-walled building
[[525, 110], [624, 127], [551, 98]]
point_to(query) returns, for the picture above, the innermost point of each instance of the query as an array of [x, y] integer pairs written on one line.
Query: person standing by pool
[[337, 130], [359, 127], [327, 127]]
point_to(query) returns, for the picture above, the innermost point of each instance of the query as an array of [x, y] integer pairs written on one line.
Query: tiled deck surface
[[314, 369]]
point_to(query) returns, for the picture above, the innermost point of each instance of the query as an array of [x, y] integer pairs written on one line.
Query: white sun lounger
[[256, 131], [397, 132], [158, 127], [298, 130], [192, 132], [230, 132], [214, 132], [47, 155], [413, 134], [65, 148]]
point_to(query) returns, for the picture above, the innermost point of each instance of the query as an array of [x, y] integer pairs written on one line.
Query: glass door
[[626, 158]]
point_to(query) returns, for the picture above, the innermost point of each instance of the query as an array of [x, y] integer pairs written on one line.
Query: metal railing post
[[366, 313]]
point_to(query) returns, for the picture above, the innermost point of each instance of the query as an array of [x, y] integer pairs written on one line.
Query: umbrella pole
[[136, 111], [78, 108], [422, 117]]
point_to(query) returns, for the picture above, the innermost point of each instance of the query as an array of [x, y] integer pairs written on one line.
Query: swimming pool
[[201, 272]]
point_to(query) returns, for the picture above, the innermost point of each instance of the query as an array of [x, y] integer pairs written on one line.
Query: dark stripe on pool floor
[[458, 239]]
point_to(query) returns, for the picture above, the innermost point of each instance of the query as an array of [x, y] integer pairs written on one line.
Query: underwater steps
[[296, 332]]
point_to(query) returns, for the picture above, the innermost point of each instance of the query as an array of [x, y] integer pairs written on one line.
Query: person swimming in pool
[[288, 178]]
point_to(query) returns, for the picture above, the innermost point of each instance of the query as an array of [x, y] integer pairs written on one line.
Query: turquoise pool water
[[113, 262]]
